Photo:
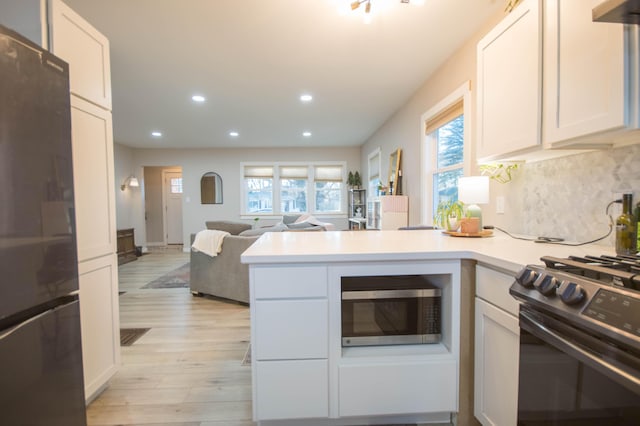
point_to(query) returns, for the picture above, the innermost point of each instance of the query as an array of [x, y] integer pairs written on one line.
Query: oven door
[[569, 377], [390, 317]]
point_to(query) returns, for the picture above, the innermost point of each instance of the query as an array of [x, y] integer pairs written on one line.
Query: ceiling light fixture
[[367, 4], [198, 98], [234, 134], [306, 97], [156, 134], [306, 134]]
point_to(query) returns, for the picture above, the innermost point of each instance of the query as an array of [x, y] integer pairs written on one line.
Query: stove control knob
[[570, 293], [526, 277], [546, 285]]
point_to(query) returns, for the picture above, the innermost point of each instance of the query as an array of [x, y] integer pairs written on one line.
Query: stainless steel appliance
[[579, 341], [41, 379], [390, 310]]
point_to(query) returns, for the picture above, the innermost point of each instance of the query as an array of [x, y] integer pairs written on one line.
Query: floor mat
[[128, 336], [178, 278]]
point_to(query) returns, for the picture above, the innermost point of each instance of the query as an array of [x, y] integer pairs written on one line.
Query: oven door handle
[[629, 380]]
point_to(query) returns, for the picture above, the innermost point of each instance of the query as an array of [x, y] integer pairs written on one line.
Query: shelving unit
[[357, 209]]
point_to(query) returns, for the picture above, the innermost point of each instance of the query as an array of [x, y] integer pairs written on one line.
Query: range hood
[[619, 11]]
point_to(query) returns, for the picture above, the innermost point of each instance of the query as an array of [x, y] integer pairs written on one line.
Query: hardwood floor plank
[[186, 370]]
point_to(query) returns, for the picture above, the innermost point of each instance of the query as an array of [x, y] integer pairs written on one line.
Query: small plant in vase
[[448, 215]]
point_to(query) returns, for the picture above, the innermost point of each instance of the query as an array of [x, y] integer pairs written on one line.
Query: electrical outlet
[[500, 204]]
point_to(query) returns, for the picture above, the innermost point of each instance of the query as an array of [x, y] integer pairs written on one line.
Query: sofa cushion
[[259, 231], [234, 228], [288, 219], [302, 225]]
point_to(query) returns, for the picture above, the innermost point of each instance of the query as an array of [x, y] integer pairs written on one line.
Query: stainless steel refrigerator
[[41, 381]]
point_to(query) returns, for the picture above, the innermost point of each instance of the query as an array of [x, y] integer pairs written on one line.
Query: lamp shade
[[133, 181], [473, 189]]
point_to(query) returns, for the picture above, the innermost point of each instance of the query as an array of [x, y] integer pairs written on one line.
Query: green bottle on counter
[[626, 229]]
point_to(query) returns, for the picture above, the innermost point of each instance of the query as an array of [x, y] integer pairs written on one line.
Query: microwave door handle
[[554, 338]]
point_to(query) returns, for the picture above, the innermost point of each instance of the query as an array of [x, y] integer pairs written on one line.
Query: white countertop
[[365, 246]]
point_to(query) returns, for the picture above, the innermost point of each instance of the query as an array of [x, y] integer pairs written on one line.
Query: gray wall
[[226, 162]]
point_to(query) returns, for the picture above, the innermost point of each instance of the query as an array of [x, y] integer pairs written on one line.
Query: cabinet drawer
[[290, 282], [291, 329], [493, 286], [408, 387], [291, 389]]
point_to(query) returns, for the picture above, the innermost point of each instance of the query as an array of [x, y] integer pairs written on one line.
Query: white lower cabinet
[[291, 389], [394, 388], [497, 342], [99, 322]]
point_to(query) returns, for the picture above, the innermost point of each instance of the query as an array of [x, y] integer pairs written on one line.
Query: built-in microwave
[[390, 310]]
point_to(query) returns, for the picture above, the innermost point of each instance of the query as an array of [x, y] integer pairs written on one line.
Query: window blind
[[258, 171], [294, 172], [444, 117], [328, 174]]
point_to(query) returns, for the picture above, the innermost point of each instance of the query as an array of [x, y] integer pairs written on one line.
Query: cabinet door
[[92, 140], [509, 84], [291, 329], [291, 389], [99, 322], [497, 344], [584, 72], [387, 388], [87, 52]]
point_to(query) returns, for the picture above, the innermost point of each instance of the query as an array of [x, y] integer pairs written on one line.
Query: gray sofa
[[223, 275]]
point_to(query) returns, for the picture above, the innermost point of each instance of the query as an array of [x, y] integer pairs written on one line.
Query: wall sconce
[[131, 182]]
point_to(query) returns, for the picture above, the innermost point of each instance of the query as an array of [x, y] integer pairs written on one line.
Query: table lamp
[[474, 190]]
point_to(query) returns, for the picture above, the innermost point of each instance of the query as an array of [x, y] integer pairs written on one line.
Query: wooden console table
[[126, 246]]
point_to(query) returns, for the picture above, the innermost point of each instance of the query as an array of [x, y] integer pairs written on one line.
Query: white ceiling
[[252, 59]]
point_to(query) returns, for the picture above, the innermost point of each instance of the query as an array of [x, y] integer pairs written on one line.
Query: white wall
[[123, 168], [225, 162]]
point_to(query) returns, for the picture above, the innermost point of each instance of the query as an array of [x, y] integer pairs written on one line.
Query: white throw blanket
[[209, 241], [307, 218]]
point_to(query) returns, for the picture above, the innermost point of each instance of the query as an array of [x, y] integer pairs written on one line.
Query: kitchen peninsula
[[302, 374]]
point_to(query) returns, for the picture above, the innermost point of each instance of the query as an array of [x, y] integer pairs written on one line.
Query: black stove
[[598, 293]]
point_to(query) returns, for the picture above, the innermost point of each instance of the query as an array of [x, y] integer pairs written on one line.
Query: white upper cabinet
[[87, 52], [509, 83], [587, 78], [550, 80]]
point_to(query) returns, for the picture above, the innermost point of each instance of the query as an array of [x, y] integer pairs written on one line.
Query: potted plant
[[351, 180], [357, 181], [448, 215]]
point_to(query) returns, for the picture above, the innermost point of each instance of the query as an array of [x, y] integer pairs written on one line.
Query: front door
[[172, 183]]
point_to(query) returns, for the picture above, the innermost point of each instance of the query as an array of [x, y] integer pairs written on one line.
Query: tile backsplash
[[567, 197]]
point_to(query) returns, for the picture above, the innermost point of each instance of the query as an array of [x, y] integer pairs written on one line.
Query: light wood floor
[[186, 371]]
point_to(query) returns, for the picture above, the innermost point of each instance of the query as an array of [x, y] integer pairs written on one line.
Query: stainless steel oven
[[579, 342], [390, 310]]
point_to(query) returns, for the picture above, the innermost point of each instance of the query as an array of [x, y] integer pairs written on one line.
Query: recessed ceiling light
[[156, 134], [306, 134], [306, 97], [198, 98], [234, 134]]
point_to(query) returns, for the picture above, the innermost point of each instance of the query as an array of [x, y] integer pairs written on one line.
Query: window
[[176, 185], [328, 180], [445, 157], [293, 189], [277, 189], [258, 183], [374, 172]]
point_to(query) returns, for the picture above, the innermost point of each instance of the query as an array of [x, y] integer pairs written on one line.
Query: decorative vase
[[470, 225]]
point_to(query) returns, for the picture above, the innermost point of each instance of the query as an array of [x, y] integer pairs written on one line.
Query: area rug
[[178, 278], [246, 360], [128, 336]]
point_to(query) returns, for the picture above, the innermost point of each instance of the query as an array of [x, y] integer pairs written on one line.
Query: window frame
[[276, 187], [428, 151]]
